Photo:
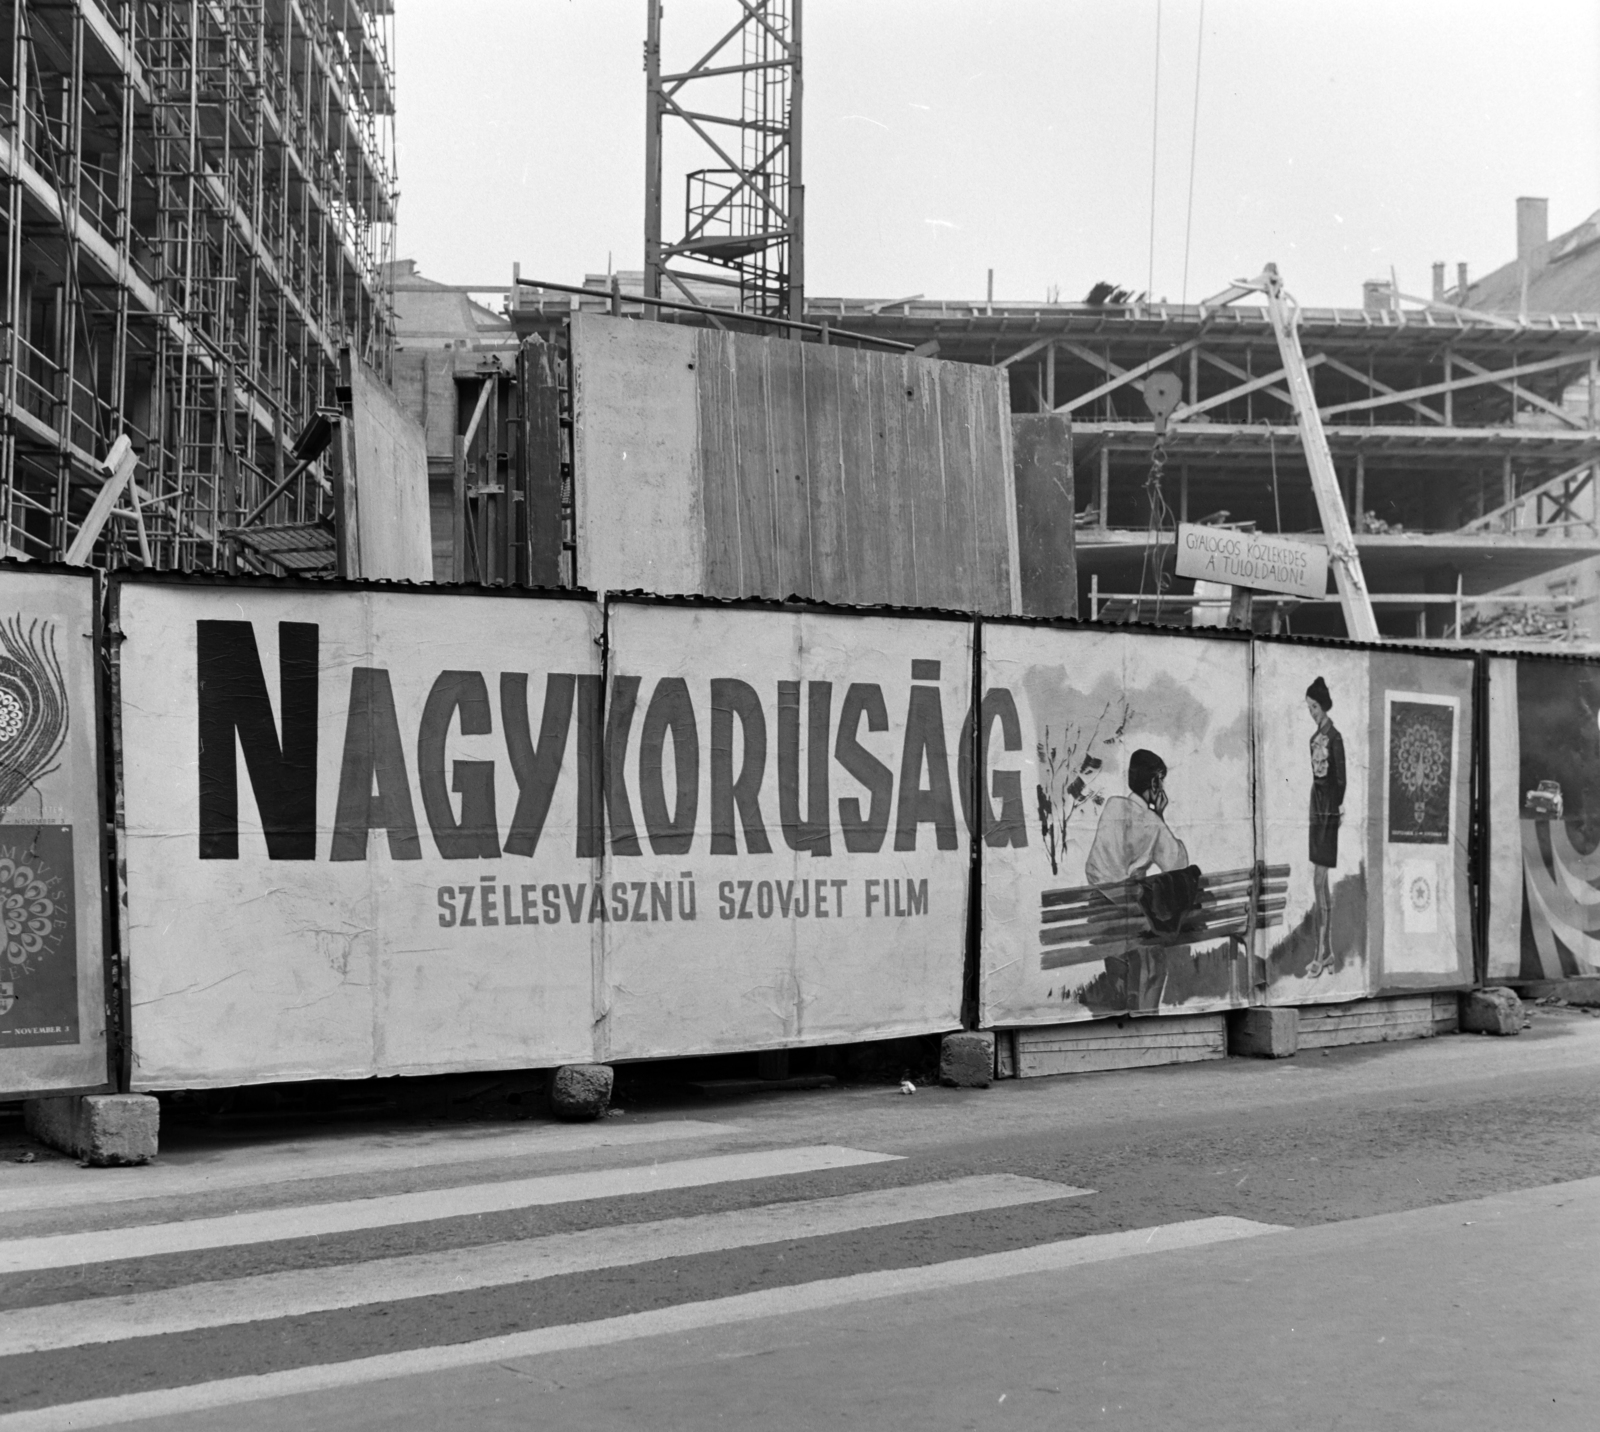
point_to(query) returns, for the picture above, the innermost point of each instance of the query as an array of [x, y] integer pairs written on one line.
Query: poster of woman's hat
[[1544, 818], [1130, 886], [1363, 785]]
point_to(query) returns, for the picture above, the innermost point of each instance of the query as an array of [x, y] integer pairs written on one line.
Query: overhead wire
[[1194, 140], [1155, 132]]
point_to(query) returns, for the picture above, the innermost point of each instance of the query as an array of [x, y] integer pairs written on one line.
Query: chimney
[[1461, 283], [1438, 283], [1533, 228]]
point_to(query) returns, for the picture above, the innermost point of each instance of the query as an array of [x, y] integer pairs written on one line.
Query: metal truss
[[744, 218]]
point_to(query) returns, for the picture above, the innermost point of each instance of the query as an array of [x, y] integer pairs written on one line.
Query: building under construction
[[198, 214]]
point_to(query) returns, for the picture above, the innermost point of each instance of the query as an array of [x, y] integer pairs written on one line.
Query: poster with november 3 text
[[52, 976], [788, 856], [1118, 869]]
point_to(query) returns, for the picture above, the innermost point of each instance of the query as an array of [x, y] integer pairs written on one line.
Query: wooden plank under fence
[[1379, 1021], [1097, 1045]]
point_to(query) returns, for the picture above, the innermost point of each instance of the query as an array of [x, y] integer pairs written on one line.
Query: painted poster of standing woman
[[1328, 781], [1312, 803]]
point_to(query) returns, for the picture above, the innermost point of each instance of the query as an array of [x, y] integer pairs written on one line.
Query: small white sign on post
[[1252, 559]]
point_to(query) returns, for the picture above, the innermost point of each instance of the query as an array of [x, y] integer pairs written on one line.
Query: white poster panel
[[1505, 823], [52, 976], [788, 859], [1422, 753], [1422, 714], [1313, 738], [1118, 860], [353, 819]]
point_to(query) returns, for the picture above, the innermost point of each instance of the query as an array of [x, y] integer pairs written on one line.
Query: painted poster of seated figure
[[1129, 885]]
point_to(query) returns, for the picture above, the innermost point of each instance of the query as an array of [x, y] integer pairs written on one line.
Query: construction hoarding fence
[[1184, 827], [368, 830], [383, 832], [1544, 818], [53, 1007], [813, 805]]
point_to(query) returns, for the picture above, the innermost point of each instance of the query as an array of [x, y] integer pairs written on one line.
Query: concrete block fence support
[[580, 1091], [1264, 1033], [966, 1059], [102, 1129], [1491, 1011]]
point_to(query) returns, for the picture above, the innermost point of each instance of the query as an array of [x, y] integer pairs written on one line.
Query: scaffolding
[[197, 214]]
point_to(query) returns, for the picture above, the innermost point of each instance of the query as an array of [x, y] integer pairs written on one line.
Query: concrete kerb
[[104, 1130]]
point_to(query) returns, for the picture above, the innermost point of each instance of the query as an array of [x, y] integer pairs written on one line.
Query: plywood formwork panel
[[773, 469], [640, 440]]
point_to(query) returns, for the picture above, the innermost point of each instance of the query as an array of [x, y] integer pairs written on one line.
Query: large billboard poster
[[1544, 818], [1118, 858], [1363, 794], [359, 830], [788, 859], [52, 978]]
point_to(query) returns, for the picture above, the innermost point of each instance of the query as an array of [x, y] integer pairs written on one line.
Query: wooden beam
[[1429, 390], [1235, 371], [1266, 380], [118, 468], [1128, 376], [1026, 352], [1359, 622], [1517, 391], [1488, 519], [1378, 387]]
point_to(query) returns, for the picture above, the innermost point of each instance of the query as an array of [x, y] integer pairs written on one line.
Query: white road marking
[[268, 1164], [684, 1317], [65, 1250], [382, 1280]]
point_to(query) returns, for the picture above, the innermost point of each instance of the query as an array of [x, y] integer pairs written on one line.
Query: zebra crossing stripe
[[66, 1250], [384, 1280], [56, 1188], [684, 1317]]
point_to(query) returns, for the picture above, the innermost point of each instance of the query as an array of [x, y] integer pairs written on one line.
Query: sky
[[942, 138]]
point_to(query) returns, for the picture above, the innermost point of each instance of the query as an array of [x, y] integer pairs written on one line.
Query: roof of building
[[1563, 276], [428, 314]]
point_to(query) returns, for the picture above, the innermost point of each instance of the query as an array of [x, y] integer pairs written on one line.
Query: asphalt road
[[1398, 1235]]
